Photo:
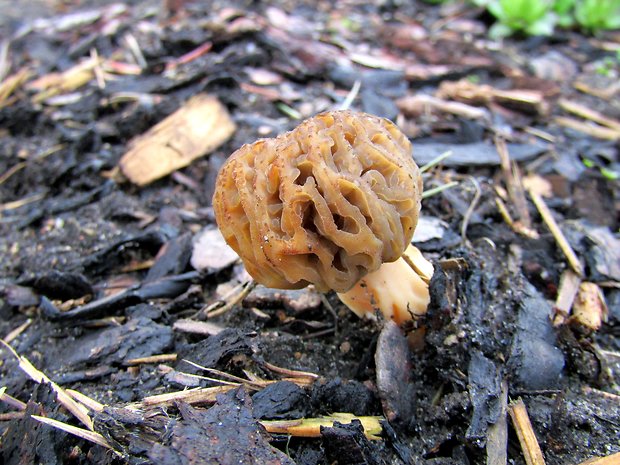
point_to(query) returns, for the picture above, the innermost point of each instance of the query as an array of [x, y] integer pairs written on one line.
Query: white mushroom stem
[[398, 289]]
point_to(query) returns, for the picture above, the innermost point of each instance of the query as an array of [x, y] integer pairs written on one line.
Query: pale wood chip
[[196, 129], [589, 308], [569, 286]]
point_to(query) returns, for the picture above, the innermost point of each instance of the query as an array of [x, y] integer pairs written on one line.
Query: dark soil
[[101, 272]]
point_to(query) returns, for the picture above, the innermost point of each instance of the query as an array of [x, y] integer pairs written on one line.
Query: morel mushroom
[[328, 204]]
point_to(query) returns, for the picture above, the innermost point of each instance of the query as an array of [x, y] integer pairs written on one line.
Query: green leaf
[[495, 8], [542, 27], [595, 15], [610, 174], [588, 163], [563, 7], [499, 31], [613, 22]]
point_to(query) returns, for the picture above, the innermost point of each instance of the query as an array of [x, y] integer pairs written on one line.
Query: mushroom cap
[[323, 204]]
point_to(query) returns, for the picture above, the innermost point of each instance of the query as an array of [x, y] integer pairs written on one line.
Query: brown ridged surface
[[325, 203]]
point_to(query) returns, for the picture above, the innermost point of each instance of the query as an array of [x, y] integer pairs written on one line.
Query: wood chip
[[497, 436], [569, 286], [211, 252], [469, 92], [416, 105], [204, 328], [529, 444], [589, 308], [196, 129]]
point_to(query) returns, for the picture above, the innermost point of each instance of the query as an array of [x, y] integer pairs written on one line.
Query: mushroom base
[[399, 290]]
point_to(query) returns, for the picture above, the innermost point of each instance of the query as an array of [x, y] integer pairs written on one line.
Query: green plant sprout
[[607, 173], [597, 15], [540, 17], [533, 17], [564, 12]]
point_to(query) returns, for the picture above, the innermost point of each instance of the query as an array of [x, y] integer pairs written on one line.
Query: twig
[[503, 211], [190, 56], [10, 400], [21, 202], [436, 190], [516, 226], [331, 311], [512, 177], [190, 396], [17, 331], [136, 52], [222, 306], [12, 170], [311, 427], [10, 84], [223, 374], [346, 104], [288, 110], [605, 93], [89, 402], [5, 64], [79, 432], [53, 84], [589, 114], [161, 358], [544, 135], [218, 381], [9, 416], [291, 373], [592, 129], [98, 70], [205, 328], [470, 209], [78, 410], [435, 161], [529, 444], [588, 391], [547, 217]]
